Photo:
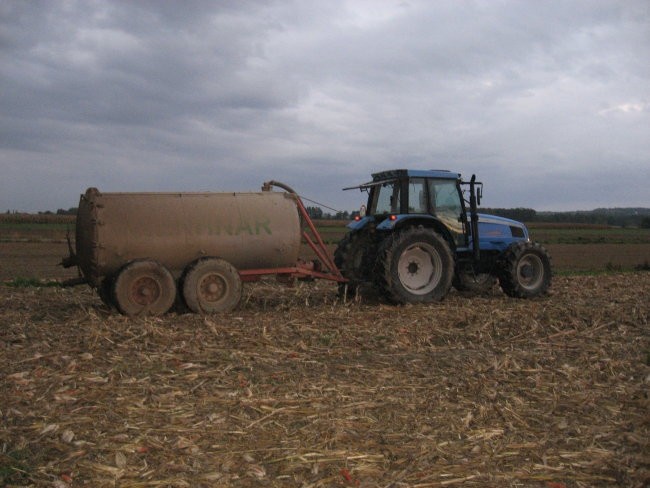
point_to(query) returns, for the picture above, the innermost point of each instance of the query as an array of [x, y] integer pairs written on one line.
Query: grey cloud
[[220, 95]]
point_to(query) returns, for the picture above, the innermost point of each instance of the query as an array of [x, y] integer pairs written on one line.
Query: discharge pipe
[[270, 184]]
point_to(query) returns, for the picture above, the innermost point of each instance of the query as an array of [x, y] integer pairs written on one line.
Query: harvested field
[[297, 389], [38, 260]]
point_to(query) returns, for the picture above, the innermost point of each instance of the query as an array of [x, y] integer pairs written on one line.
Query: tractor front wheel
[[417, 266], [525, 270]]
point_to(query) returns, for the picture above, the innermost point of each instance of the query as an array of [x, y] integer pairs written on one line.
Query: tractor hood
[[492, 227]]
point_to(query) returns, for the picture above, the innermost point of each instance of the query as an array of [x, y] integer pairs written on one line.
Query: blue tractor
[[418, 235]]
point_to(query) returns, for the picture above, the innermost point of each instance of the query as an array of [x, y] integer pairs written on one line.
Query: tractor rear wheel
[[144, 286], [352, 258], [525, 270], [417, 266], [211, 285]]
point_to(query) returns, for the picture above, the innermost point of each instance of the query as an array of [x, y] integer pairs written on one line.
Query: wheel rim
[[420, 268], [144, 286], [145, 291], [530, 271], [211, 285], [212, 288]]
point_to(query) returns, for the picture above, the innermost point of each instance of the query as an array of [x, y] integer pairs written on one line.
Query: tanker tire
[[351, 258], [144, 287], [211, 285], [417, 266], [525, 270], [105, 292]]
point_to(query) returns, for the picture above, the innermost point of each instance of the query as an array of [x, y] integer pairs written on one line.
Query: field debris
[[298, 389]]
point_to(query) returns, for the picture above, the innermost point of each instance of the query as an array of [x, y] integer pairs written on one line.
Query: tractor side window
[[417, 196], [387, 199], [445, 198]]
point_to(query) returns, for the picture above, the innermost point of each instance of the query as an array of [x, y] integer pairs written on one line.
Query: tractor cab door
[[446, 204]]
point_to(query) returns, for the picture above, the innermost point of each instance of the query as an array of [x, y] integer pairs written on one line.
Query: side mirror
[[479, 195]]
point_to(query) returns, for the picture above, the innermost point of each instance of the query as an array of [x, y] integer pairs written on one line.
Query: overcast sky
[[548, 102]]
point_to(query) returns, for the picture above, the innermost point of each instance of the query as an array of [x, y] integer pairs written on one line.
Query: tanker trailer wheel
[[144, 287], [525, 270], [211, 285], [418, 267], [105, 291]]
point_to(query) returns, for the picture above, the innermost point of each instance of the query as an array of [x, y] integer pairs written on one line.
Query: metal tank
[[138, 248]]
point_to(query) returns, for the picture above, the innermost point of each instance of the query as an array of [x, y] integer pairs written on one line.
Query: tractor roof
[[394, 174], [415, 173]]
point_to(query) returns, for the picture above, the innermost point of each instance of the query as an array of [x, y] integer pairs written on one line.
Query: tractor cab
[[398, 197]]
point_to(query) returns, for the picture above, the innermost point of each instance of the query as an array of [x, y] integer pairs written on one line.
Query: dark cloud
[[548, 102]]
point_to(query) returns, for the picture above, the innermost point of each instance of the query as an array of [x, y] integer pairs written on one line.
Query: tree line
[[317, 213], [619, 217]]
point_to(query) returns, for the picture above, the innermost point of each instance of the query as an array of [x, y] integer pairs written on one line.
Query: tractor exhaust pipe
[[473, 208]]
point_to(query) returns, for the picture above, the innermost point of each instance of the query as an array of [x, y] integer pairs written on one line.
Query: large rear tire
[[353, 258], [212, 285], [417, 267], [525, 270], [144, 287]]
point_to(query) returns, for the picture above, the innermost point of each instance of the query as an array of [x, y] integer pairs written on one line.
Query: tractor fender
[[361, 223], [426, 221]]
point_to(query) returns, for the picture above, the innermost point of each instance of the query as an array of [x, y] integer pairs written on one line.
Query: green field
[[574, 248], [333, 231], [577, 235], [42, 228]]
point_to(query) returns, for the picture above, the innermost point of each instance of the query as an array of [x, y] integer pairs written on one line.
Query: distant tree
[[645, 223], [70, 211], [521, 214], [315, 212]]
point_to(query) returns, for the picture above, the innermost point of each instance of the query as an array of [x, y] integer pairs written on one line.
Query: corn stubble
[[298, 389]]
